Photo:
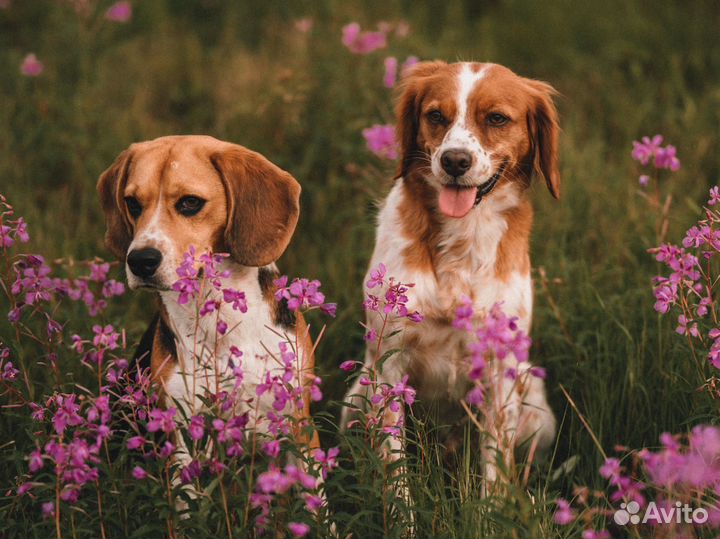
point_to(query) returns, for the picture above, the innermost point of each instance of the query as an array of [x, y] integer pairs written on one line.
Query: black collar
[[489, 185]]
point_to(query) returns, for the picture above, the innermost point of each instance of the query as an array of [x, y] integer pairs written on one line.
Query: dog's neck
[[200, 335], [493, 237]]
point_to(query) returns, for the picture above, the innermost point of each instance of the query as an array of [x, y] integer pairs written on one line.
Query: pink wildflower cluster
[[648, 149], [120, 12], [380, 138], [680, 472], [394, 300], [302, 294], [689, 285], [496, 336], [34, 285], [11, 230], [360, 42], [390, 305], [162, 444], [79, 430], [8, 372], [31, 66]]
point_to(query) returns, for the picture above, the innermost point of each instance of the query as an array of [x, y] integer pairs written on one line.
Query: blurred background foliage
[[244, 72]]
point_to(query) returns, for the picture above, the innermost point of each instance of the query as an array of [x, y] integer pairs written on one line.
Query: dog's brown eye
[[189, 206], [496, 119], [133, 207], [436, 117]]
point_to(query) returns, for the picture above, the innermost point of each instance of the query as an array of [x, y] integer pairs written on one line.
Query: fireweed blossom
[[360, 42], [686, 290], [77, 427], [119, 12], [31, 66], [302, 294], [386, 301], [685, 469], [35, 286], [494, 338], [650, 149], [380, 140]]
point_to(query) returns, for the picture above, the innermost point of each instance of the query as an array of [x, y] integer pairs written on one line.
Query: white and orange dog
[[457, 224], [162, 196]]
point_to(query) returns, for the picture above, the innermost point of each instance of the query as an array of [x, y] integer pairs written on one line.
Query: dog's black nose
[[144, 262], [456, 162]]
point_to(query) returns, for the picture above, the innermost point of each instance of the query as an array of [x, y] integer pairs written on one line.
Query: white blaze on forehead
[[467, 79], [459, 136], [154, 235]]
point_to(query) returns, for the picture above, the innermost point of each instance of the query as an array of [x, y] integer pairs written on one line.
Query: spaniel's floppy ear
[[110, 187], [406, 111], [263, 206], [544, 134]]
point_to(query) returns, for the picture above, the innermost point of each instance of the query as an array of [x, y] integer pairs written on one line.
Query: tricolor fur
[[249, 209]]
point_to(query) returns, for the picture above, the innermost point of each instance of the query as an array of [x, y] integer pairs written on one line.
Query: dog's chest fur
[[203, 354], [466, 262]]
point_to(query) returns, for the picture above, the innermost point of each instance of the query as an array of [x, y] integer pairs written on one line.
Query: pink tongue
[[457, 201]]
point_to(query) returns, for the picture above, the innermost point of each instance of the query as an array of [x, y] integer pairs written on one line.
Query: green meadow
[[244, 72]]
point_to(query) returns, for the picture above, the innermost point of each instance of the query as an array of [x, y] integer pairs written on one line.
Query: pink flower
[[370, 336], [714, 196], [328, 460], [298, 529], [563, 515], [302, 294], [35, 461], [48, 509], [644, 150], [161, 420], [190, 472], [362, 42], [236, 298], [595, 534], [119, 12], [377, 276], [665, 158], [644, 180], [380, 140], [475, 396], [610, 469], [391, 66], [99, 272], [135, 442], [196, 429], [348, 365], [31, 66], [138, 473], [271, 448]]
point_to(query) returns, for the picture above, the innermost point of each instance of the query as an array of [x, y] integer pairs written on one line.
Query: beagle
[[163, 196], [457, 224]]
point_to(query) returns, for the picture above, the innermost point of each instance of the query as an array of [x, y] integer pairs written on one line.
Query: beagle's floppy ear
[[263, 205], [544, 134], [110, 186], [406, 111]]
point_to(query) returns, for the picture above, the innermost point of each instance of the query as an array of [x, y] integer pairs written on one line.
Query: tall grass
[[241, 71]]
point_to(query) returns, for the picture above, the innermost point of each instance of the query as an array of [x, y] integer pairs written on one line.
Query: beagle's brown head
[[162, 196], [467, 127]]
